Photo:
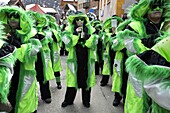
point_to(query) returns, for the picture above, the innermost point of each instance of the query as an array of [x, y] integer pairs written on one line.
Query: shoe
[[64, 104], [116, 102], [86, 104], [59, 85], [5, 107], [48, 100], [103, 84]]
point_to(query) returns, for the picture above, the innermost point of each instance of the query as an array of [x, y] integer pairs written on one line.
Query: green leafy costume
[[100, 46], [71, 40], [6, 68], [43, 30], [55, 48], [135, 42], [26, 96], [151, 67], [107, 25]]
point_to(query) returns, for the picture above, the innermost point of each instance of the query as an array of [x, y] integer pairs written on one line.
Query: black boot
[[5, 107], [86, 97], [69, 96], [104, 80], [86, 104], [117, 99], [48, 100], [65, 104], [59, 85]]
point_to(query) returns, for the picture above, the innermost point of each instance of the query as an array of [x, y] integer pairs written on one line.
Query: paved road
[[101, 98]]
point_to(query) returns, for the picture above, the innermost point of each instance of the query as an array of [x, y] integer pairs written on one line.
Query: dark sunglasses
[[79, 19], [155, 5], [15, 15]]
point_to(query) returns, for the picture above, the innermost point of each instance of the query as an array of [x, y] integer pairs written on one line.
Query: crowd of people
[[132, 50]]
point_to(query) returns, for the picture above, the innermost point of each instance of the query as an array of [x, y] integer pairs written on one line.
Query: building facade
[[105, 8], [86, 6]]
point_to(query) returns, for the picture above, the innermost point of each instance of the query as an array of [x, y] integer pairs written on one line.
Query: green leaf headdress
[[108, 22], [139, 10], [166, 15], [25, 23], [71, 18], [2, 34], [41, 20], [95, 22], [52, 22]]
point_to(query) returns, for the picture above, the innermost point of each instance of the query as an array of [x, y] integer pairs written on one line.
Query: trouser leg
[[14, 86], [117, 99], [101, 65], [118, 96], [66, 52], [96, 68], [45, 90], [70, 94], [86, 95], [13, 91], [62, 49], [57, 76], [104, 81], [124, 78]]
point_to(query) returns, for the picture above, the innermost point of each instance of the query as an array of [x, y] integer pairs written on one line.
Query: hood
[[108, 22], [25, 23], [40, 20], [139, 10], [80, 15]]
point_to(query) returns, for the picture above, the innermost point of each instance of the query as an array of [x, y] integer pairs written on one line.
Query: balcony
[[86, 5]]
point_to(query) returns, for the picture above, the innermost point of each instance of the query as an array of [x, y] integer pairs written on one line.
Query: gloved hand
[[79, 29], [6, 49], [39, 36], [13, 40]]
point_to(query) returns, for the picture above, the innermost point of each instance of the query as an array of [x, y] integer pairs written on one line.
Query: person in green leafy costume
[[55, 49], [18, 29], [152, 68], [7, 62], [43, 67], [144, 28], [80, 68], [109, 26], [100, 46]]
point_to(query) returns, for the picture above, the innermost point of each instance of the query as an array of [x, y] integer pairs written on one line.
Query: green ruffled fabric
[[139, 10], [4, 86], [52, 22], [25, 21], [122, 25], [108, 22], [95, 22], [143, 71], [121, 35], [2, 34], [41, 20]]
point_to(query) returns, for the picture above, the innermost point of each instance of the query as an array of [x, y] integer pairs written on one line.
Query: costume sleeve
[[69, 39], [35, 47], [92, 42], [48, 35], [27, 52]]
